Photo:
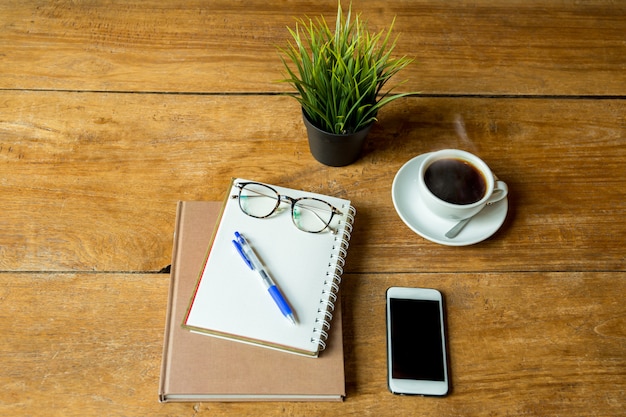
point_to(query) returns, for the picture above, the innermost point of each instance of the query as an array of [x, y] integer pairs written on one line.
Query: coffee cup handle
[[500, 190]]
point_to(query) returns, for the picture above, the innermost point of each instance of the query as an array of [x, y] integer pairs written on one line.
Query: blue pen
[[253, 262]]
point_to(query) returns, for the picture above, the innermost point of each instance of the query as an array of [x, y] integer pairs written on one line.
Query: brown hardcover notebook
[[197, 367]]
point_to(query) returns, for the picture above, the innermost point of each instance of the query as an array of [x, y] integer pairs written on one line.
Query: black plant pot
[[332, 149]]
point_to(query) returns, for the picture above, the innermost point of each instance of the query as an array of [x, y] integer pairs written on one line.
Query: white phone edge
[[411, 386]]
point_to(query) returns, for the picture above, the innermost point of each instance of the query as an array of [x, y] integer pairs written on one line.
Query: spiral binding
[[333, 279]]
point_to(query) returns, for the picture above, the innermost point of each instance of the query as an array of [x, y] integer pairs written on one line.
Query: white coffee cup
[[456, 184]]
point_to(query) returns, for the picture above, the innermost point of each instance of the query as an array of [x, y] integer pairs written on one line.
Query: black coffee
[[455, 181]]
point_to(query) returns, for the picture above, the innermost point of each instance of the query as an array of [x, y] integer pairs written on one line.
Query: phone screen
[[416, 331]]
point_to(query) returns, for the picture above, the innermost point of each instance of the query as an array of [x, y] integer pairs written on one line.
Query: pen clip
[[238, 242]]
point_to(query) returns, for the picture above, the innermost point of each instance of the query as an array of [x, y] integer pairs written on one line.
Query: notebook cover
[[197, 367]]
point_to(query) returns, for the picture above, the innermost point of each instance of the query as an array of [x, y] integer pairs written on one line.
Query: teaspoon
[[457, 228]]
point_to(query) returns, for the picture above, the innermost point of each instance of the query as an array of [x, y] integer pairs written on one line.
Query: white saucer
[[422, 221]]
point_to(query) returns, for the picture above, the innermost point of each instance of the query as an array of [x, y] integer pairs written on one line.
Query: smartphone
[[417, 362]]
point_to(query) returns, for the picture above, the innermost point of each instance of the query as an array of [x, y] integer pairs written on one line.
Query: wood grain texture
[[97, 188], [79, 344], [112, 111], [480, 47]]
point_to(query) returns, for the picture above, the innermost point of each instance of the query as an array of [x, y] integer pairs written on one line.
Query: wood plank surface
[[79, 344], [97, 188], [480, 47], [112, 111]]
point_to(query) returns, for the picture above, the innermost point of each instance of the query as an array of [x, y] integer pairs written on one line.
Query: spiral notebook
[[231, 302]]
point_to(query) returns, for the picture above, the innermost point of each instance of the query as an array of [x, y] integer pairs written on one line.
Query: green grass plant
[[339, 76]]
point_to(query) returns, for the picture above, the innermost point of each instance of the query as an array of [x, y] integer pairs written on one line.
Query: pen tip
[[292, 319]]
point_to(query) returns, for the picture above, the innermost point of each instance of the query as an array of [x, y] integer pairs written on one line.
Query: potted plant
[[339, 77]]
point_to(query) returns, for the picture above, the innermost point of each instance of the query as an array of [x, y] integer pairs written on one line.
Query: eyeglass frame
[[281, 198]]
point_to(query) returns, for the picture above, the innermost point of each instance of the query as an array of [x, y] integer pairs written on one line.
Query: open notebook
[[231, 302]]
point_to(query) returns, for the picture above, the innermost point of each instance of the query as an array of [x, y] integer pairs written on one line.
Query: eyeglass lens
[[311, 215], [258, 200]]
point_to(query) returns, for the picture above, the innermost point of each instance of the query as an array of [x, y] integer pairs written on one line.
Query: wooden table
[[112, 111]]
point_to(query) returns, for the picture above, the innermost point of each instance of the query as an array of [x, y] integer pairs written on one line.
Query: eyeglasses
[[308, 214]]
